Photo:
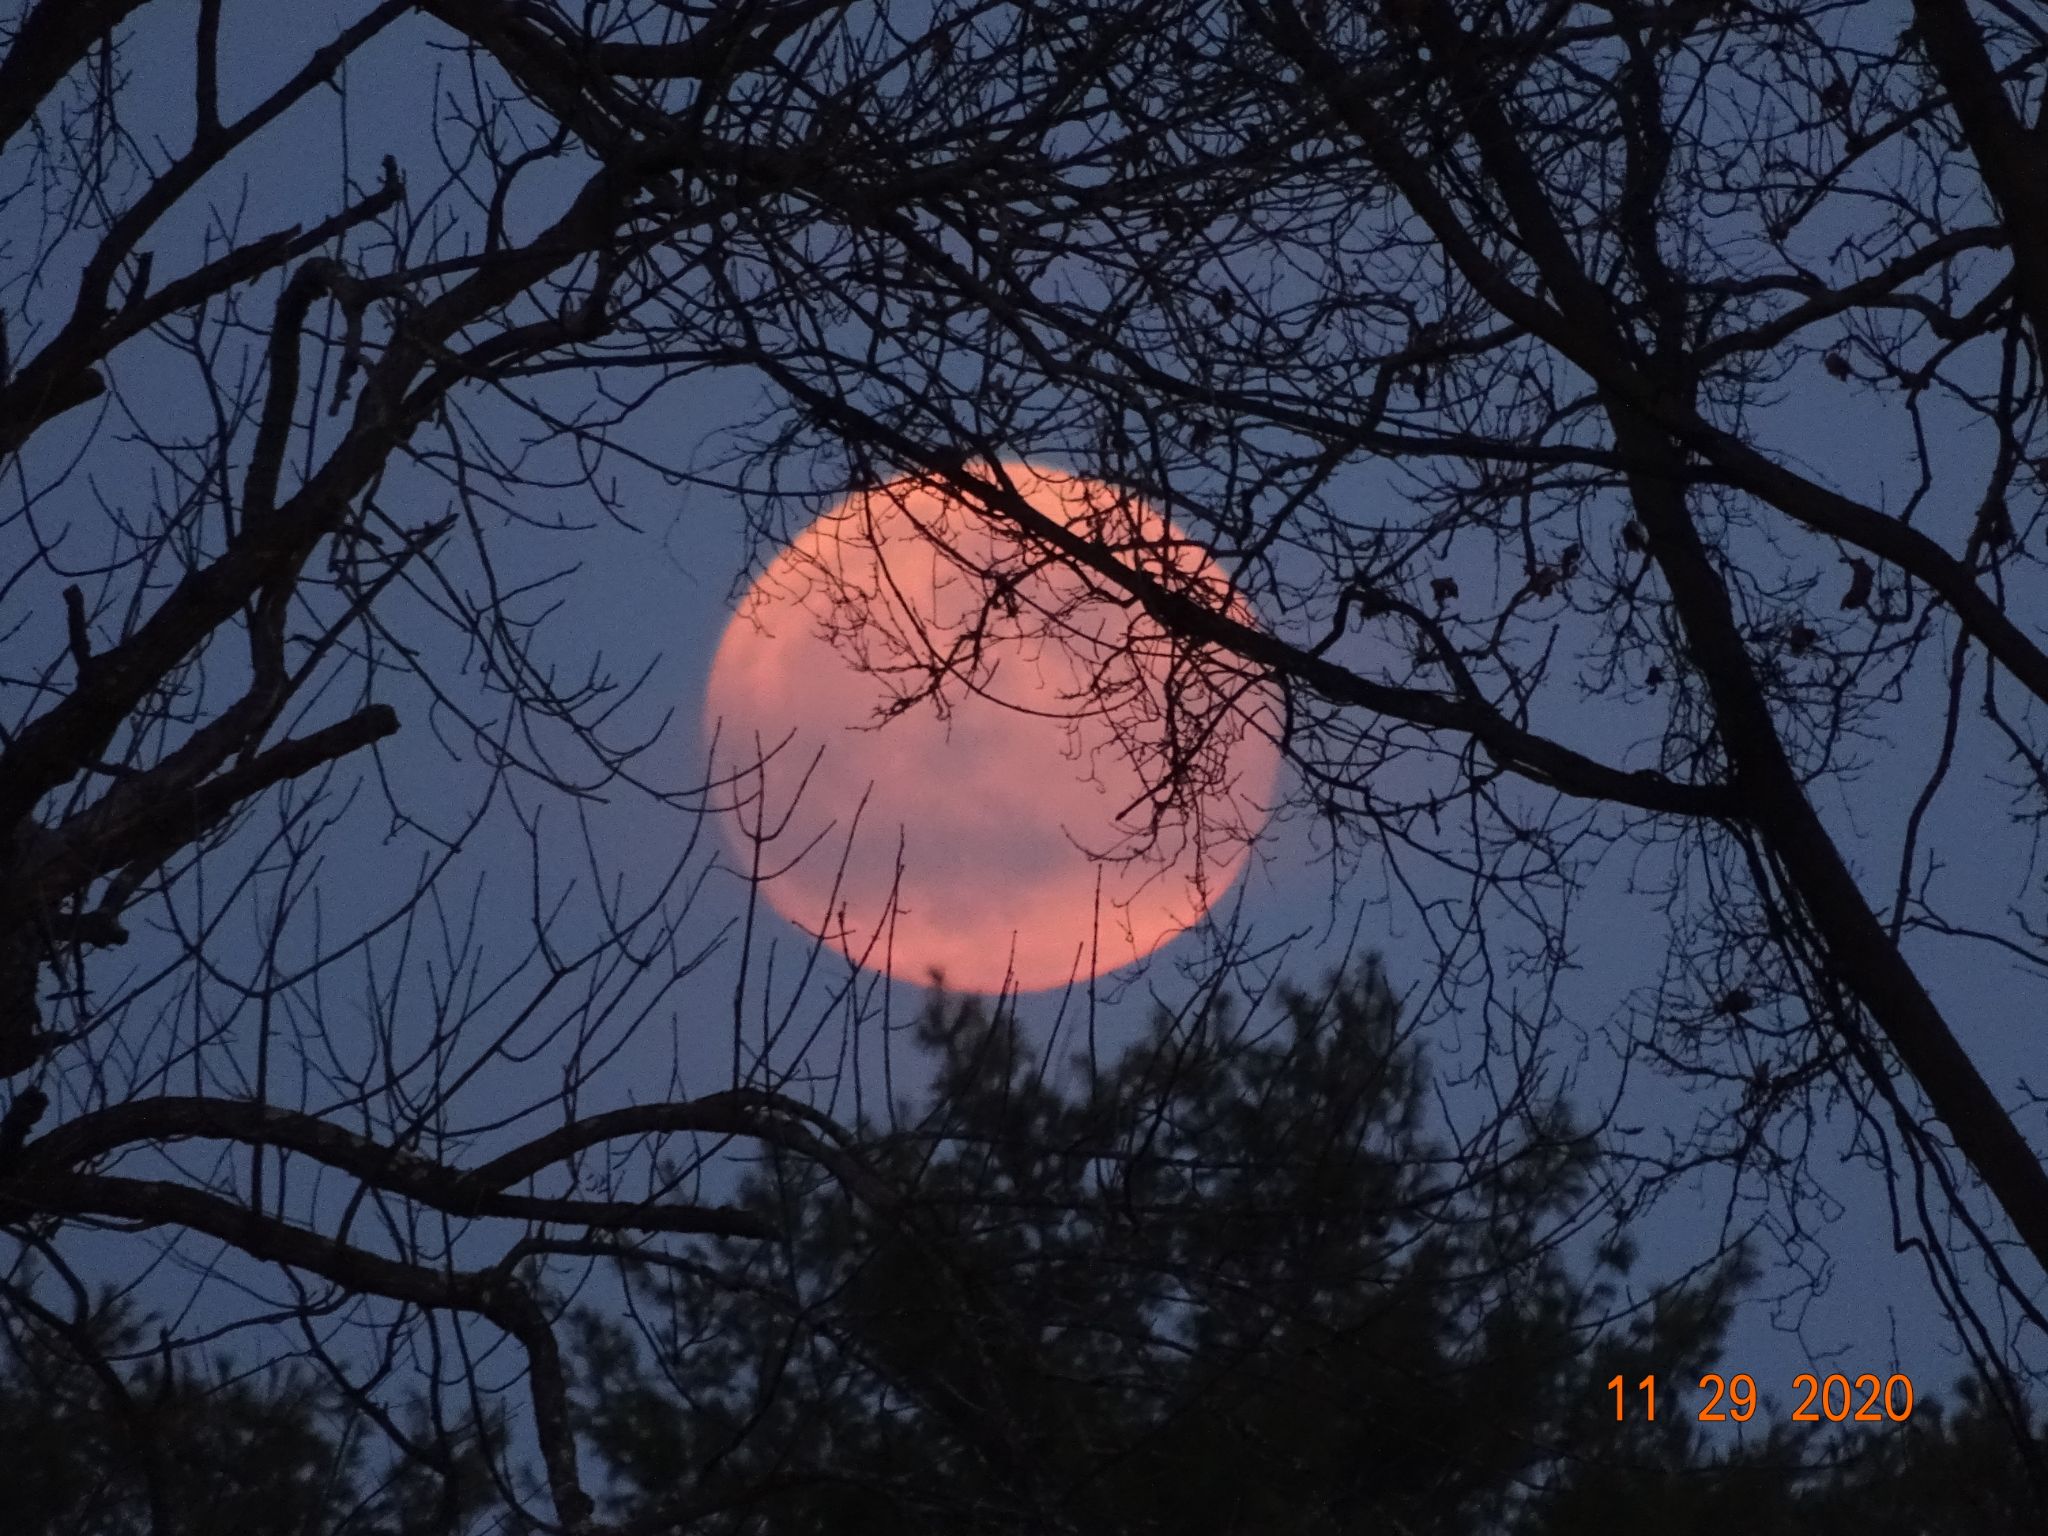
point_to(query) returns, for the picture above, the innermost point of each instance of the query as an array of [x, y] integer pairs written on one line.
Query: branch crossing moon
[[954, 753]]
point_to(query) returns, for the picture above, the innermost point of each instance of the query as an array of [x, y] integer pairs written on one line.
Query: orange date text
[[1836, 1398]]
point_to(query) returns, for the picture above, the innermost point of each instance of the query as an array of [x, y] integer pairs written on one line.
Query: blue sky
[[657, 594]]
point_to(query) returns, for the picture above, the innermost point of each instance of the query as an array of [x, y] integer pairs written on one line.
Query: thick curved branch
[[2012, 159], [477, 1192], [52, 40], [739, 1112], [43, 1180], [489, 1294], [1532, 756]]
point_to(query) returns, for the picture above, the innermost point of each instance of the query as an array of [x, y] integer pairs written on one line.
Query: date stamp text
[[1836, 1398]]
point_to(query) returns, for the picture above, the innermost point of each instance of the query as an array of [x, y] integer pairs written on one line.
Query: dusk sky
[[645, 590], [660, 593]]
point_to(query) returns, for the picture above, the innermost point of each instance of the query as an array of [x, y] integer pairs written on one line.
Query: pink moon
[[939, 738]]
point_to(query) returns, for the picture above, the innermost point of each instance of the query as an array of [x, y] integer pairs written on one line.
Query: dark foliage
[[1235, 1283]]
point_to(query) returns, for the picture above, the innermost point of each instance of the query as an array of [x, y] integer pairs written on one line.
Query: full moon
[[949, 750]]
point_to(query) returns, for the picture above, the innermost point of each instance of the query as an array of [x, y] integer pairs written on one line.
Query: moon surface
[[942, 743]]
